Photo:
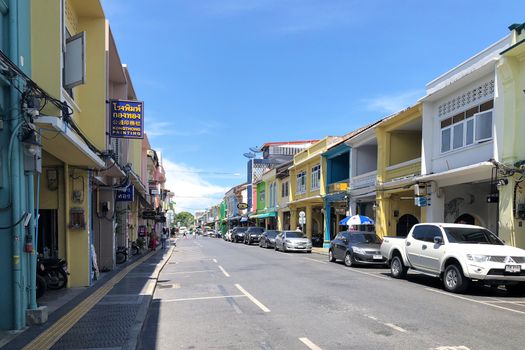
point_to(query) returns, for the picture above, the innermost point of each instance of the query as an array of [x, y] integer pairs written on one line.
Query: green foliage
[[185, 219]]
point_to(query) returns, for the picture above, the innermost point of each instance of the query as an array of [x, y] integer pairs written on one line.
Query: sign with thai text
[[127, 119], [125, 195]]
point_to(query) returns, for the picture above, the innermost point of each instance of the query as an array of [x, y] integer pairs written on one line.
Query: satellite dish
[[249, 155], [256, 149]]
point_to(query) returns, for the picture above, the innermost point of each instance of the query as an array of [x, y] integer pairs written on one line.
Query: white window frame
[[316, 177], [474, 118], [301, 182]]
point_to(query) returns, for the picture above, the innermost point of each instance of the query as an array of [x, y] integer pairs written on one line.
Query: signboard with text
[[125, 195], [127, 119]]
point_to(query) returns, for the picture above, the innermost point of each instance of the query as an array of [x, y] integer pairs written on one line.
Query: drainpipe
[[32, 256], [16, 180]]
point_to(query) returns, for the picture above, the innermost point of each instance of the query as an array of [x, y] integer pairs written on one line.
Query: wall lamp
[[502, 182]]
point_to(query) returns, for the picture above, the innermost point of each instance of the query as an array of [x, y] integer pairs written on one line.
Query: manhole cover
[[164, 286]]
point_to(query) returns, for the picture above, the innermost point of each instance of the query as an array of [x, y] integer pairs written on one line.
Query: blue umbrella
[[356, 220]]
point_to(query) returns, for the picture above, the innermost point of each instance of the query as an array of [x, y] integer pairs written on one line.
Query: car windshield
[[256, 230], [272, 234], [365, 238], [293, 234], [472, 235], [241, 229]]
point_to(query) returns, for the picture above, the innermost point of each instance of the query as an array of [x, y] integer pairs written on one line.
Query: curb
[[320, 252], [133, 340]]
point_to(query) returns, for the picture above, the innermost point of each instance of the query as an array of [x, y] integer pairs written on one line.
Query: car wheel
[[349, 260], [331, 256], [309, 251], [397, 268], [453, 280]]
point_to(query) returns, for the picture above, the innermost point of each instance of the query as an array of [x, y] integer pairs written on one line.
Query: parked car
[[211, 233], [458, 254], [268, 239], [252, 235], [356, 248], [293, 241], [238, 234]]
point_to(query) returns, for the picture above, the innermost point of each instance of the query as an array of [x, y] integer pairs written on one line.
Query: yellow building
[[307, 187], [398, 164], [282, 174]]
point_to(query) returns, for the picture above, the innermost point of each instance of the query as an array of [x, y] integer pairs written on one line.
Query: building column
[[435, 212], [280, 220], [507, 229], [293, 218], [327, 224], [309, 221], [383, 213]]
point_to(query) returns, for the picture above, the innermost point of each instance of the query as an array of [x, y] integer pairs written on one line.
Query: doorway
[[48, 233], [404, 225]]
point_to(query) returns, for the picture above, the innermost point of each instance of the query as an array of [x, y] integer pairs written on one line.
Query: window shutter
[[75, 61]]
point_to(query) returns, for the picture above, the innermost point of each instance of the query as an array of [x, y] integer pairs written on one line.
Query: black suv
[[238, 234], [253, 235]]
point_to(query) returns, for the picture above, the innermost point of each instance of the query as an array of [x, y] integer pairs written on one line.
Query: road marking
[[397, 328], [317, 261], [215, 260], [461, 347], [201, 298], [224, 271], [475, 301], [252, 298], [309, 344], [369, 274]]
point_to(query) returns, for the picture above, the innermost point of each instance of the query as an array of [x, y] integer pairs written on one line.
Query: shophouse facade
[[308, 187], [267, 201], [282, 175], [462, 142], [399, 140]]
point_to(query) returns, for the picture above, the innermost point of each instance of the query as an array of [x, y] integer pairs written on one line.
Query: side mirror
[[438, 240]]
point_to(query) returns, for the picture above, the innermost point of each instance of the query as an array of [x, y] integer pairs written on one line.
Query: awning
[[233, 218], [112, 169], [475, 172], [271, 214], [139, 186], [65, 144], [356, 220]]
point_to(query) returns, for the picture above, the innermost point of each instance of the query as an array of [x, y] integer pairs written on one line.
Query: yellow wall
[[45, 53], [407, 146]]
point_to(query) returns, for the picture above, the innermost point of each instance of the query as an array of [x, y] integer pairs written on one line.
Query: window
[[316, 177], [284, 189], [301, 182], [419, 233], [431, 232], [467, 128]]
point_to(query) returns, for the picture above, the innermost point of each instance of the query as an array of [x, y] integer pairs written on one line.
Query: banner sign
[[127, 119], [142, 231], [126, 195]]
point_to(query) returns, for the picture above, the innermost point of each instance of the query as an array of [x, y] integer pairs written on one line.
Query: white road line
[[369, 274], [317, 261], [475, 301], [309, 344], [215, 260], [252, 298], [397, 328], [224, 271], [202, 298]]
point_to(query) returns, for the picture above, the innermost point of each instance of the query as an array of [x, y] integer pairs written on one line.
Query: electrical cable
[[15, 224]]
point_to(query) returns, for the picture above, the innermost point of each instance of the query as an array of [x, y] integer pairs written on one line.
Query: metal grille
[[501, 259]]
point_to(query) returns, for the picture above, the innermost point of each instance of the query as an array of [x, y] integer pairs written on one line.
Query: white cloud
[[393, 103], [192, 192]]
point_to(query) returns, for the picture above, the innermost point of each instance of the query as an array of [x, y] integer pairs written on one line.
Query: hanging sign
[[127, 119], [126, 195]]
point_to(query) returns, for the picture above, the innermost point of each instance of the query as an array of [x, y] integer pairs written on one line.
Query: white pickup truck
[[458, 254]]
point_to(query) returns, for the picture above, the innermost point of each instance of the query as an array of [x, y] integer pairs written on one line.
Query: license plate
[[378, 257], [512, 268]]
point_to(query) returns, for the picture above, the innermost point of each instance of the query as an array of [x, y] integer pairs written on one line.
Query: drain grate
[[165, 286]]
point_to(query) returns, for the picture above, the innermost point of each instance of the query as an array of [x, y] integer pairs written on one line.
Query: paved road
[[214, 294]]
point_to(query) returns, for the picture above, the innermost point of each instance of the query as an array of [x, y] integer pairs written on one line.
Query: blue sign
[[126, 195], [127, 119], [421, 201]]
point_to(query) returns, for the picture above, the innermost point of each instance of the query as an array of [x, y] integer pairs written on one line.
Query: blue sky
[[219, 76]]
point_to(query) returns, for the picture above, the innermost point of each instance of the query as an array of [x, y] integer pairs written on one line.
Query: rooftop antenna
[[256, 149], [249, 155]]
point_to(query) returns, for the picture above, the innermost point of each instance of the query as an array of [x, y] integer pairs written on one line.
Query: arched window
[[404, 225]]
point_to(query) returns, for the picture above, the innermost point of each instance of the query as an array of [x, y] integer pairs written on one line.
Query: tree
[[186, 219]]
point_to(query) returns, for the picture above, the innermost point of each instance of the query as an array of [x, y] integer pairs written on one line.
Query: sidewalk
[[108, 316], [322, 251]]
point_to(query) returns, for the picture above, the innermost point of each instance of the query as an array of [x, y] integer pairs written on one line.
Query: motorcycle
[[121, 255], [40, 285], [54, 271]]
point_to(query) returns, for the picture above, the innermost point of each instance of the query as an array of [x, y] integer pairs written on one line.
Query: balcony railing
[[340, 186], [402, 170], [364, 180]]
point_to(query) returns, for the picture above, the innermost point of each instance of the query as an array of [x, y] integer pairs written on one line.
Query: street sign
[[302, 214], [302, 220], [242, 206]]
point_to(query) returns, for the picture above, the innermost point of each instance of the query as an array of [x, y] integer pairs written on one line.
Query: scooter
[[121, 255], [54, 271]]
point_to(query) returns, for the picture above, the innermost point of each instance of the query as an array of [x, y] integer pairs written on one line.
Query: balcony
[[364, 180], [403, 170], [340, 186]]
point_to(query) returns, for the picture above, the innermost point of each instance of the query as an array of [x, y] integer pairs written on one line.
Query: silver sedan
[[293, 241]]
